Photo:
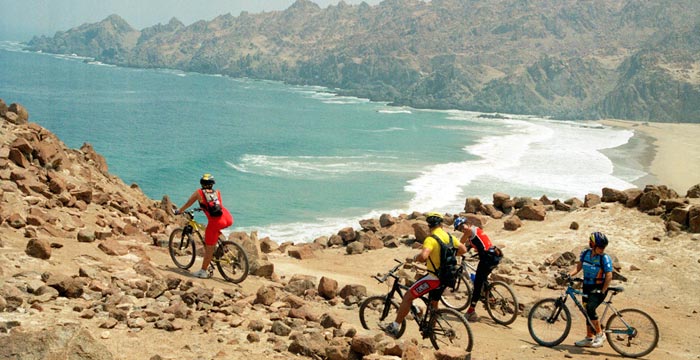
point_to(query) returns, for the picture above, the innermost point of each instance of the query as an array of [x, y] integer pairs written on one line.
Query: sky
[[23, 19]]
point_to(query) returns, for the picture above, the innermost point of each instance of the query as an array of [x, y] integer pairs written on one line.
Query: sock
[[470, 310], [394, 324]]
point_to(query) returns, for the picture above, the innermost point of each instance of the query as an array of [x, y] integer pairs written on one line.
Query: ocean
[[298, 162]]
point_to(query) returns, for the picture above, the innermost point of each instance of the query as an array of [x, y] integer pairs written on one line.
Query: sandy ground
[[665, 286], [677, 151]]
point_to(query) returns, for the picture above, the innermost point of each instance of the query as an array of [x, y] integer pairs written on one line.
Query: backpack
[[212, 205], [449, 270]]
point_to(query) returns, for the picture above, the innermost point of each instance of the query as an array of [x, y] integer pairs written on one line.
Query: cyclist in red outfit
[[489, 257], [217, 219]]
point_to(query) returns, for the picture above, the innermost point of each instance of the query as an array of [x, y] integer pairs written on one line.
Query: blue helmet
[[598, 239], [459, 221]]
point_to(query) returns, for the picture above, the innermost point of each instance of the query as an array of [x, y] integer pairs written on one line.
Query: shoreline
[[673, 154]]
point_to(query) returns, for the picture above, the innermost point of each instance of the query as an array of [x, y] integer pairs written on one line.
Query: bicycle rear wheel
[[549, 322], [182, 248], [232, 261], [632, 333], [458, 297], [448, 328], [501, 303], [374, 311]]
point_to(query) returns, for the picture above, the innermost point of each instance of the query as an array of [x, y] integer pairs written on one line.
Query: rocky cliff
[[568, 59]]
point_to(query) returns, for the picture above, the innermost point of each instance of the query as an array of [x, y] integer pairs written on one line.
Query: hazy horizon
[[28, 18]]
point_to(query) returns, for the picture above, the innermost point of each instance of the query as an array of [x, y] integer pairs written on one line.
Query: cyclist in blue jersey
[[597, 274]]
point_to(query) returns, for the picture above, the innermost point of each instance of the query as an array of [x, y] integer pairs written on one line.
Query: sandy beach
[[677, 150]]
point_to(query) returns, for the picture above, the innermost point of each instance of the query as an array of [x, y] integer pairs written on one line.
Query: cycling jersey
[[431, 243], [215, 224], [480, 242], [594, 267]]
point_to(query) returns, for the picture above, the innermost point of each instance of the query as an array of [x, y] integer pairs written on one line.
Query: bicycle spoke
[[448, 328], [632, 333], [182, 248], [548, 323], [501, 304], [231, 261]]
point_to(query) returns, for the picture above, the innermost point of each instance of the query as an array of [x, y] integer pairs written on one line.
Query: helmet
[[598, 239], [433, 219], [207, 181], [459, 221]]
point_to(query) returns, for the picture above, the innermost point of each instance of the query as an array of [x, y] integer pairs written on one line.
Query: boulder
[[68, 341], [531, 212], [38, 248], [693, 192]]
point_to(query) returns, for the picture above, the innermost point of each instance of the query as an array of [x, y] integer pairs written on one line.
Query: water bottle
[[473, 277]]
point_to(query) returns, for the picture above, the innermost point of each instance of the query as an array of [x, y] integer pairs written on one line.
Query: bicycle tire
[[449, 328], [646, 333], [373, 314], [549, 322], [458, 297], [232, 261], [501, 303], [178, 246]]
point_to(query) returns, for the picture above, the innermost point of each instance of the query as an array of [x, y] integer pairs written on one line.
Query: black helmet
[[598, 239], [207, 181], [434, 219]]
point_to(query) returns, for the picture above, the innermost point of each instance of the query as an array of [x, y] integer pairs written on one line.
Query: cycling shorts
[[428, 283]]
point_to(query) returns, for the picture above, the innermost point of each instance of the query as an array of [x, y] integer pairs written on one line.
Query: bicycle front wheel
[[501, 303], [458, 297], [549, 322], [448, 328], [376, 311], [632, 333], [182, 248], [232, 261]]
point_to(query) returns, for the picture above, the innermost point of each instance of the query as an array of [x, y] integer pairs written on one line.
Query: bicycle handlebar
[[390, 273]]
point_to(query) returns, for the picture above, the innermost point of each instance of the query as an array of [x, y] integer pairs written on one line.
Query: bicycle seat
[[616, 289]]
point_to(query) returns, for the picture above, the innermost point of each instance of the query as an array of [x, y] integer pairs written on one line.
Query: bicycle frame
[[571, 292], [397, 287]]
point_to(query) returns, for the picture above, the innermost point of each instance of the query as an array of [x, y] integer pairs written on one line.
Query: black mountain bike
[[630, 332], [444, 327], [498, 297], [229, 257]]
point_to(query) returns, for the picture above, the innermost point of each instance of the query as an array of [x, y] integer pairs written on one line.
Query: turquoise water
[[299, 162]]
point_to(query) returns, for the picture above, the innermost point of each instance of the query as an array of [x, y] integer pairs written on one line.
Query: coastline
[[673, 157]]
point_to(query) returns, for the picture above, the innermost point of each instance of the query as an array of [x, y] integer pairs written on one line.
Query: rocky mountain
[[567, 59]]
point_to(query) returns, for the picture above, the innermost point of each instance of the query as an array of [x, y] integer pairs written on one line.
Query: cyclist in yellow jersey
[[430, 253]]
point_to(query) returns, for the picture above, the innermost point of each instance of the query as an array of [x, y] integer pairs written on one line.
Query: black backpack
[[449, 270], [212, 205]]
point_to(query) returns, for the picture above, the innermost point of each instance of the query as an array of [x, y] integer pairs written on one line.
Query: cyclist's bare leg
[[405, 307], [208, 255]]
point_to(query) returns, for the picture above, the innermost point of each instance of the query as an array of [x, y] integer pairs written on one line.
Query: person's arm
[[579, 266], [465, 240], [194, 197], [606, 282], [423, 255], [461, 250]]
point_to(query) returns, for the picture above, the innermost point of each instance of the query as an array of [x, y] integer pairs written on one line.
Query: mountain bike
[[630, 332], [229, 257], [442, 326], [498, 297]]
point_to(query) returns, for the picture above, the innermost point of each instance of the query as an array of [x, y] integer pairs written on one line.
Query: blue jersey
[[595, 267]]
